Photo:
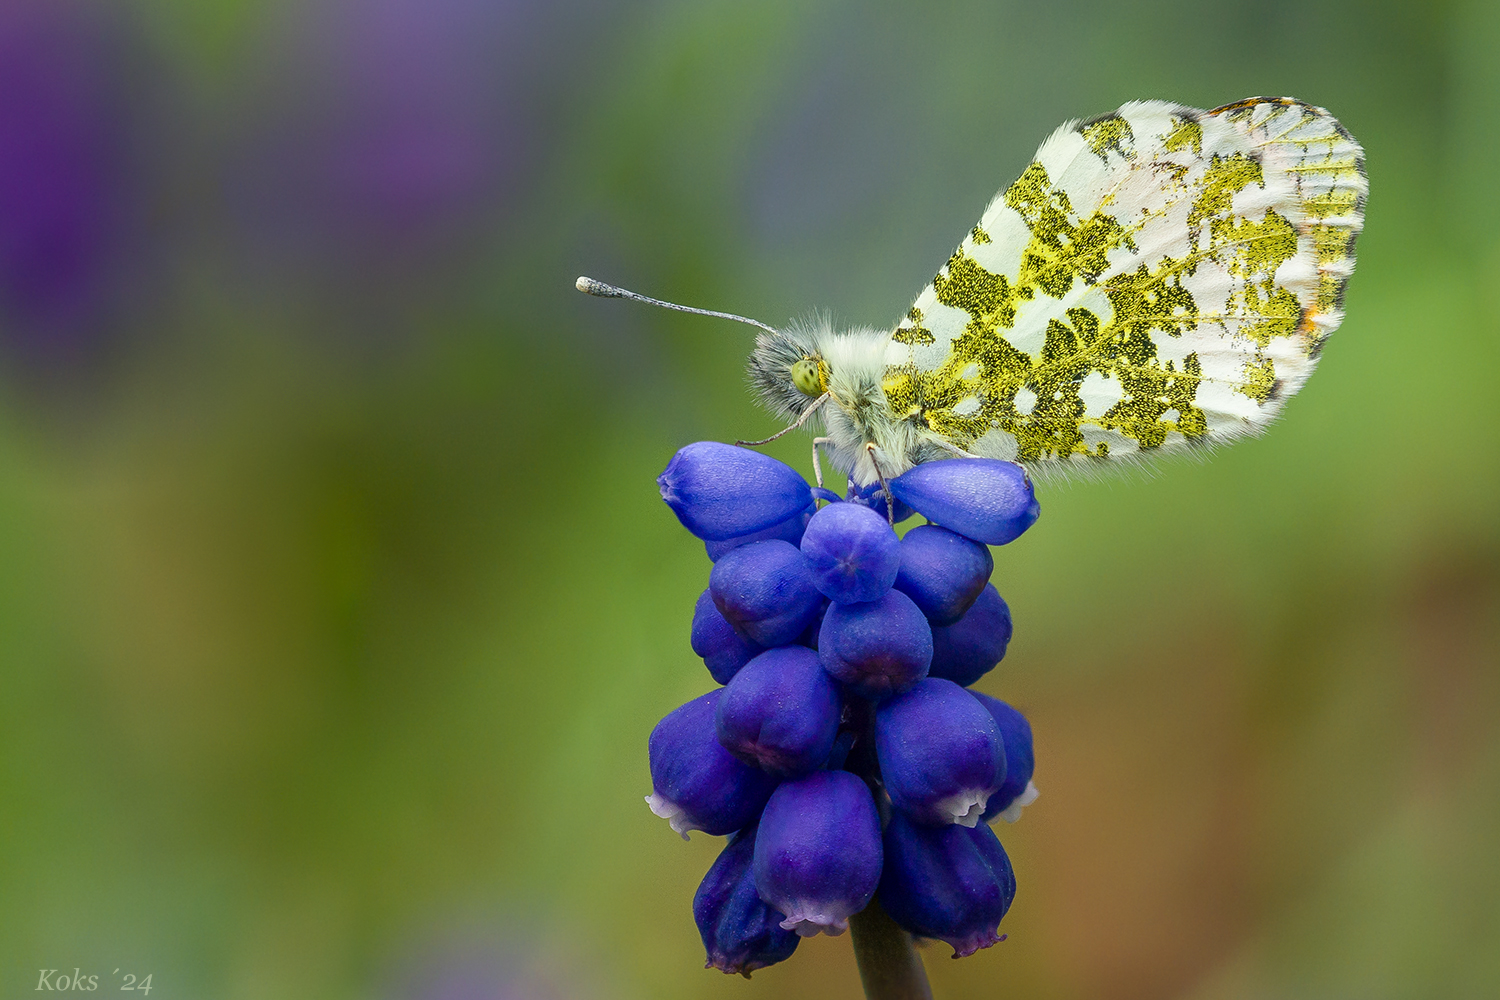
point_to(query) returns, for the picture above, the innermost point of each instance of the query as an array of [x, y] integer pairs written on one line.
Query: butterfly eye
[[807, 376]]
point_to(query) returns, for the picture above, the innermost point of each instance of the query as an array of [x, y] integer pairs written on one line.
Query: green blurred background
[[336, 601]]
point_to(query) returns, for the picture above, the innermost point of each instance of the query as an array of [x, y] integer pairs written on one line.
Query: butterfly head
[[788, 369]]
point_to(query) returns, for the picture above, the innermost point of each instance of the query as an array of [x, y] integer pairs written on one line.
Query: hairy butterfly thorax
[[796, 368]]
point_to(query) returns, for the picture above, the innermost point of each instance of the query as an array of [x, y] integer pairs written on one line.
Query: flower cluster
[[843, 755]]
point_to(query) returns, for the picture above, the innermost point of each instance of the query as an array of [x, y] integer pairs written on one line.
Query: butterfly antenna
[[591, 287]]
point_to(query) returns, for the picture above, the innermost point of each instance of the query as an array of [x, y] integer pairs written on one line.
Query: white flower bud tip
[[672, 813], [1013, 811], [966, 807]]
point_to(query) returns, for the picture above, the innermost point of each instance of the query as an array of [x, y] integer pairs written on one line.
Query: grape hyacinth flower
[[975, 644], [851, 552], [949, 882], [765, 592], [984, 499], [942, 572], [740, 932], [696, 783], [818, 854], [941, 754], [844, 756], [781, 712], [1016, 792], [878, 648], [724, 650], [719, 491]]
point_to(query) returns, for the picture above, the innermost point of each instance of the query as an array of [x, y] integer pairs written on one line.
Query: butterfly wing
[[1157, 278]]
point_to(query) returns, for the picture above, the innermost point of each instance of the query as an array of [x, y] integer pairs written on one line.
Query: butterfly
[[1159, 279]]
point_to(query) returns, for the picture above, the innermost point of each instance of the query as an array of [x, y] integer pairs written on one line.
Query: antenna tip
[[589, 286]]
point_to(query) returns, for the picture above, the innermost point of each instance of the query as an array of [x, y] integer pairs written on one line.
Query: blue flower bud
[[763, 590], [984, 499], [789, 530], [724, 650], [947, 882], [941, 755], [740, 933], [852, 554], [971, 647], [781, 712], [719, 491], [877, 649], [873, 497], [1017, 792], [817, 853], [696, 783], [942, 572]]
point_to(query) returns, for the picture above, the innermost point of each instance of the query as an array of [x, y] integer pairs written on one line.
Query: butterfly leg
[[806, 415], [890, 502], [817, 466]]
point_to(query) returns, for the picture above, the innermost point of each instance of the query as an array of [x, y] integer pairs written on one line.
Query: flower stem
[[889, 967]]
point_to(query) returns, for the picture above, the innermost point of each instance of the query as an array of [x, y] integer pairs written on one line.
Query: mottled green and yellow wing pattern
[[1157, 278]]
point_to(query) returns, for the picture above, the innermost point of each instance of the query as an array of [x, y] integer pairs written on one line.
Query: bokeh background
[[336, 601]]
